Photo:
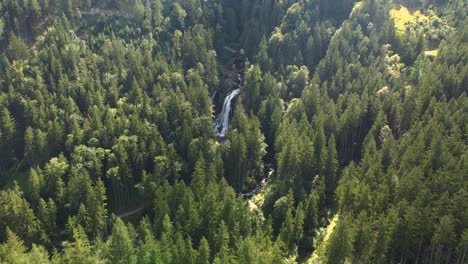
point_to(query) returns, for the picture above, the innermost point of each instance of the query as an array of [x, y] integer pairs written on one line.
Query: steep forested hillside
[[347, 142]]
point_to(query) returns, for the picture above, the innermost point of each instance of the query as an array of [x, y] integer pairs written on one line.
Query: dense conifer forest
[[346, 131]]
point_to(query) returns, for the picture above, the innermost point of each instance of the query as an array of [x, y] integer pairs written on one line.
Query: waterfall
[[222, 121], [214, 96]]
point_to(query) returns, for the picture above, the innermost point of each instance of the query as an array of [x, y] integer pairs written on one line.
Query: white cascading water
[[213, 96], [222, 121]]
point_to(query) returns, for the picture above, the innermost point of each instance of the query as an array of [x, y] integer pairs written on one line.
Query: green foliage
[[2, 28], [120, 244], [139, 9], [340, 244], [178, 15], [106, 121], [18, 217], [157, 13], [14, 251], [80, 250]]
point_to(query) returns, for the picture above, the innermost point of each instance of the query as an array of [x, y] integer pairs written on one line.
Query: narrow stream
[[268, 171]]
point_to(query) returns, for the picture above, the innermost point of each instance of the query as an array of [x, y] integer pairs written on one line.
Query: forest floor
[[107, 12], [129, 213]]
